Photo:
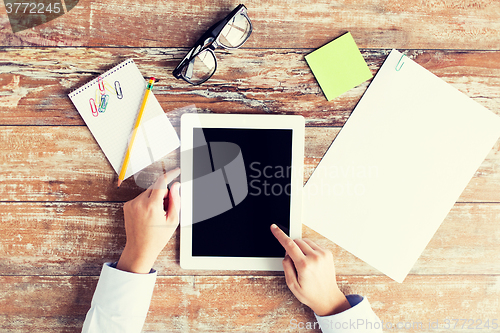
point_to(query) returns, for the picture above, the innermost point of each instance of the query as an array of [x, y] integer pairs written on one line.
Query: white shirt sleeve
[[359, 318], [121, 301]]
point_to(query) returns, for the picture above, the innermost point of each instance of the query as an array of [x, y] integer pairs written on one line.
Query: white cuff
[[359, 318]]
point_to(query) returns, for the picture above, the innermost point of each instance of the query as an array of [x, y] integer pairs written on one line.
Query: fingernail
[[274, 226]]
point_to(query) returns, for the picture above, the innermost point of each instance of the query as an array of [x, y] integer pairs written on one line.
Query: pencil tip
[[119, 183]]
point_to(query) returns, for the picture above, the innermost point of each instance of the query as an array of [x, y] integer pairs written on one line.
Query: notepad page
[[398, 165], [112, 128]]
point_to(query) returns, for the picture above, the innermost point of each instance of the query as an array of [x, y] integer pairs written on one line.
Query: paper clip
[[93, 107], [104, 103], [398, 67], [100, 84], [108, 87], [118, 90]]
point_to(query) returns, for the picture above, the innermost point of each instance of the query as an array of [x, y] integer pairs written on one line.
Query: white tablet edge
[[190, 121]]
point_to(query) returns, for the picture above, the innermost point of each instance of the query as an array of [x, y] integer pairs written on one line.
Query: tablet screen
[[243, 230]]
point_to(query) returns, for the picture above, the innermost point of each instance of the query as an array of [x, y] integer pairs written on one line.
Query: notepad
[[109, 105], [338, 66], [398, 165]]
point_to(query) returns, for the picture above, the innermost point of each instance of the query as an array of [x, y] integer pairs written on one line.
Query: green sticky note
[[338, 66]]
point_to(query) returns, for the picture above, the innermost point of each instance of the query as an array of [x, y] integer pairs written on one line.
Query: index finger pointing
[[290, 246]]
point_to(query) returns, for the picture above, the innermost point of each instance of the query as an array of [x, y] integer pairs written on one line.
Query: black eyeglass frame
[[209, 42]]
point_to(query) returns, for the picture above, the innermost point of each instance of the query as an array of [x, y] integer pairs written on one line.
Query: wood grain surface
[[75, 238], [247, 81], [430, 24], [61, 215], [249, 303], [64, 163]]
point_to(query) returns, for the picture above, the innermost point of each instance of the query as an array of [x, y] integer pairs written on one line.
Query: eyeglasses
[[200, 63]]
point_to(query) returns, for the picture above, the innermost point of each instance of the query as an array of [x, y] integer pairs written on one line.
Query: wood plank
[[61, 163], [41, 163], [247, 81], [467, 24], [250, 304], [77, 238]]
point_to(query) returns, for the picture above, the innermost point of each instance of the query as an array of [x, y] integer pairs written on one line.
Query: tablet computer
[[239, 175]]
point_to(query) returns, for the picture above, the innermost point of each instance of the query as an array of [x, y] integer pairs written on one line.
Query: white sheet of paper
[[156, 136], [397, 167]]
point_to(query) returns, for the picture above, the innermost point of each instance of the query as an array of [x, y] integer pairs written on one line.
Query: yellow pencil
[[123, 170]]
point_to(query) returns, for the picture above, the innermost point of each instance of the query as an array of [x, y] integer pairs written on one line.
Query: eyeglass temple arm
[[213, 32]]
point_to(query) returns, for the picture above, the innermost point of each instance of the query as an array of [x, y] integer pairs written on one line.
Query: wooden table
[[61, 214]]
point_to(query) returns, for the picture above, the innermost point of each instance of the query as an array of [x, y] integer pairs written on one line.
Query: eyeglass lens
[[233, 35], [235, 32], [200, 68]]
